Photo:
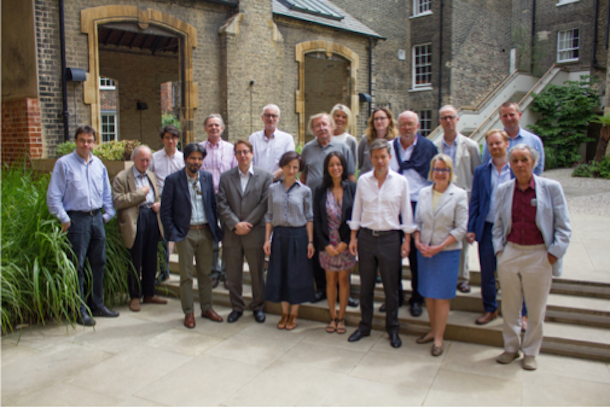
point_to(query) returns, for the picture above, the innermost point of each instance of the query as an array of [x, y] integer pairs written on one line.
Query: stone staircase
[[577, 321]]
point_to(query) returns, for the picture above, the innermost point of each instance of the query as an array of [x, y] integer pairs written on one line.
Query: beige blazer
[[449, 217], [467, 158], [127, 199]]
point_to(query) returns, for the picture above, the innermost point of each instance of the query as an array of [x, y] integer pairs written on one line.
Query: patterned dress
[[345, 260]]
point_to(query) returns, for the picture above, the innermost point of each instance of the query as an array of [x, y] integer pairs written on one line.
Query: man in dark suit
[[242, 203], [137, 199], [188, 213]]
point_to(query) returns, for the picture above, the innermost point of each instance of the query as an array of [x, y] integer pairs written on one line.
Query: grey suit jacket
[[250, 206], [467, 158], [552, 217], [449, 217]]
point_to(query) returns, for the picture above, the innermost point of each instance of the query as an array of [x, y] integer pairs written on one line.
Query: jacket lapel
[[182, 182], [251, 182], [459, 150], [131, 180]]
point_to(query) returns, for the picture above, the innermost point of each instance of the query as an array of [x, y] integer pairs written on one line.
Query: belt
[[147, 206], [199, 227], [92, 213], [379, 233]]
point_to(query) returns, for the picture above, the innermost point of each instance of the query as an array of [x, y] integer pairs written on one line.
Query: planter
[[114, 167]]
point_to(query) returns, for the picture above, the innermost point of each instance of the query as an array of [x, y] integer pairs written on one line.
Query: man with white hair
[[137, 199], [465, 155], [271, 143]]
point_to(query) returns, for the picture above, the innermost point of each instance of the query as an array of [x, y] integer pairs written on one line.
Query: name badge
[[534, 203]]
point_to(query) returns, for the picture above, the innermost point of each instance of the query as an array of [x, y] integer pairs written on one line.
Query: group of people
[[413, 198]]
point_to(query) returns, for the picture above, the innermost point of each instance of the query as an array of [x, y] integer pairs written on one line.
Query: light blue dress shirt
[[527, 138]]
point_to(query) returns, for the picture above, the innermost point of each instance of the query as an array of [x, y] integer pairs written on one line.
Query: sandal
[[341, 329], [291, 324], [282, 323], [332, 326]]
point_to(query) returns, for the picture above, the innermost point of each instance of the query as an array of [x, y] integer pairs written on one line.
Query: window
[[109, 127], [568, 42], [422, 7], [422, 66], [106, 83], [425, 122]]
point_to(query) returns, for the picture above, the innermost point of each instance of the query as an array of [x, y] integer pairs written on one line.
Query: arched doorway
[[147, 20], [328, 75]]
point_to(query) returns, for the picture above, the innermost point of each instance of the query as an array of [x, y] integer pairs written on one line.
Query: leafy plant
[[594, 169], [604, 137], [169, 119], [64, 148], [565, 115], [115, 150]]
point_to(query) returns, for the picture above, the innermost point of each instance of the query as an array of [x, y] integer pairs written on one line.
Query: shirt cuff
[[107, 217]]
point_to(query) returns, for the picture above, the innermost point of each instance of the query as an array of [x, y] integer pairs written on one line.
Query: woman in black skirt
[[290, 218]]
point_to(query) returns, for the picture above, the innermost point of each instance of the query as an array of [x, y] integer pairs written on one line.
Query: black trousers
[[383, 253], [144, 254], [415, 296]]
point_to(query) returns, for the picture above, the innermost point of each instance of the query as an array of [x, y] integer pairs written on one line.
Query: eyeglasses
[[270, 116], [448, 117], [441, 170], [380, 118], [242, 152]]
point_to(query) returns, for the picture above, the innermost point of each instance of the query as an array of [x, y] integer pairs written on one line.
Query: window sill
[[424, 14], [568, 61], [422, 89], [564, 2]]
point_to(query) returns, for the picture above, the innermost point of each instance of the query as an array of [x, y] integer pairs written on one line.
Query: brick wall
[[21, 129], [108, 99], [167, 93]]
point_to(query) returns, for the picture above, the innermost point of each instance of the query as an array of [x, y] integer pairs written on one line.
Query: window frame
[[417, 5], [104, 87], [425, 85], [425, 116], [115, 123], [568, 49], [564, 2]]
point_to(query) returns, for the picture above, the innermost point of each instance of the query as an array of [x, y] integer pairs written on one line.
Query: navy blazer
[[176, 205], [320, 216]]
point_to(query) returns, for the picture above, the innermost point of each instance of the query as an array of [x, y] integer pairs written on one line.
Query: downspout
[[64, 85], [594, 58], [533, 36], [440, 71], [370, 74]]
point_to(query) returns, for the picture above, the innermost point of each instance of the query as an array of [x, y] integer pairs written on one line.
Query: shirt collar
[[80, 159], [532, 184], [137, 173], [450, 145], [250, 171]]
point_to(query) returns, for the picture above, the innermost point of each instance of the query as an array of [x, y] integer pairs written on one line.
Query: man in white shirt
[[165, 162], [271, 143], [220, 157], [381, 217], [465, 155]]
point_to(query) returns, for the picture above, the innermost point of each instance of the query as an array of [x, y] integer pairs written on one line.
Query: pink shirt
[[218, 159]]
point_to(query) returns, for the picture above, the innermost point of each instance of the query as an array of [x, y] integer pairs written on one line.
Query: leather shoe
[[426, 338], [215, 282], [103, 311], [382, 308], [189, 320], [134, 305], [259, 316], [154, 299], [319, 296], [351, 302], [282, 323], [507, 357], [395, 340], [357, 335], [486, 317], [436, 350], [463, 287], [85, 320], [291, 324], [415, 309], [234, 316], [212, 315]]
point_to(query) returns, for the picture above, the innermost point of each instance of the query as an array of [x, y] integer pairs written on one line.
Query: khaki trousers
[[524, 271], [197, 243]]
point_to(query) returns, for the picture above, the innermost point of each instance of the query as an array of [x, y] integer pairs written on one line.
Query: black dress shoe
[[357, 335], [259, 316], [234, 316], [85, 320], [395, 340], [382, 308], [351, 302], [415, 309], [319, 296], [215, 282], [103, 311]]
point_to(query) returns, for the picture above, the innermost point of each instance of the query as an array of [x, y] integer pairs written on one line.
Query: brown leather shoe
[[189, 320], [292, 322], [134, 305], [282, 323], [486, 317], [212, 315], [154, 299]]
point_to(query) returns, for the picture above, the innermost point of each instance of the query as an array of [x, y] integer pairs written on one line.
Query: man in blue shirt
[[510, 116], [78, 189]]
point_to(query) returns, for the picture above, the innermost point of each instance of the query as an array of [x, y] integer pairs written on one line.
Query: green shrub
[[169, 119], [38, 281], [550, 158], [115, 150], [599, 169], [64, 148]]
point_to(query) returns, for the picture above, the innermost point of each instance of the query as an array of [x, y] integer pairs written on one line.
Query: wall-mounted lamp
[[141, 106]]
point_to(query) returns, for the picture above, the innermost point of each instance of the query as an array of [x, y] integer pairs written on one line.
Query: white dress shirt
[[268, 152], [245, 177], [378, 209], [163, 165]]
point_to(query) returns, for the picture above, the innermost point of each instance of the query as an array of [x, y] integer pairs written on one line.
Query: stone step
[[559, 338]]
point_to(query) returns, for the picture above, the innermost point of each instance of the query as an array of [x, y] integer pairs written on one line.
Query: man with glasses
[[271, 143], [412, 156], [242, 204], [465, 155]]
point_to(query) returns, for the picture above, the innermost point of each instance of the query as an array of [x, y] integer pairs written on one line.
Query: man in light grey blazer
[[466, 157], [531, 234], [242, 203]]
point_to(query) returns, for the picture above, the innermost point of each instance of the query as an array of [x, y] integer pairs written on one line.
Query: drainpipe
[[440, 71], [64, 85], [594, 59], [533, 36], [370, 74]]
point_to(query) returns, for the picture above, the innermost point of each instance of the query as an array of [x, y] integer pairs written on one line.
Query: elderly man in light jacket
[[531, 234]]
